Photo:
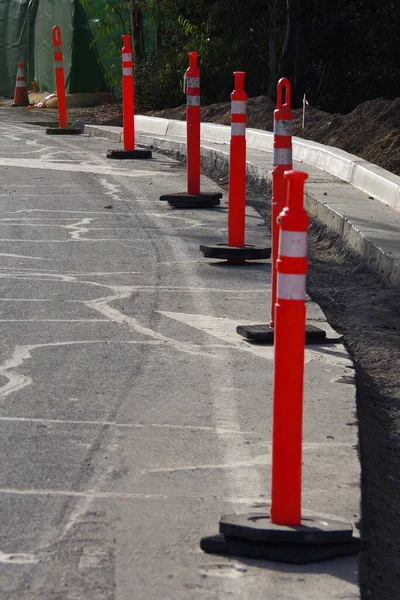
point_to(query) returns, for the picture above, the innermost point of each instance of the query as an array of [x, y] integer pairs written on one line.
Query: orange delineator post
[[237, 164], [282, 162], [236, 251], [193, 124], [128, 109], [290, 315], [60, 81], [21, 91], [192, 198]]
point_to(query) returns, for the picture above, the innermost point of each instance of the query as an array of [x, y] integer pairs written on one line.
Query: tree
[[339, 53], [272, 45], [136, 24]]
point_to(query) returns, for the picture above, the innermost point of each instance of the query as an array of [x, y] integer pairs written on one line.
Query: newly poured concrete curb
[[355, 198]]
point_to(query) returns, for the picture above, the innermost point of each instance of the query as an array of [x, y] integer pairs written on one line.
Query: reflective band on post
[[193, 101], [282, 156], [283, 127], [192, 82], [126, 56], [59, 64], [293, 243], [19, 84], [20, 73], [127, 71], [238, 107], [238, 128], [291, 287]]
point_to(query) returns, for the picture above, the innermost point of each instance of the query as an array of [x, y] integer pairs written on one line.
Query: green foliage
[[108, 22], [158, 83], [228, 36], [349, 51]]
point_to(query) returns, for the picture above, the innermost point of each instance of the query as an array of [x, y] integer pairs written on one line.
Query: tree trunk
[[286, 65], [136, 18], [273, 60], [294, 55], [158, 27], [326, 43]]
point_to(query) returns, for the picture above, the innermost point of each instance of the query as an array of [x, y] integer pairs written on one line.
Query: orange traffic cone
[[21, 91]]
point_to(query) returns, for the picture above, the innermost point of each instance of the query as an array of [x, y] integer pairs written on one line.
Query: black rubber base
[[63, 131], [225, 252], [294, 554], [264, 334], [258, 527], [129, 154], [253, 535], [185, 200]]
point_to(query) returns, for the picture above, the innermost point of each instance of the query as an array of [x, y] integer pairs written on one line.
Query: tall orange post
[[237, 164], [193, 124], [128, 108], [236, 251], [283, 535], [63, 128], [290, 324], [282, 162], [193, 198], [60, 81]]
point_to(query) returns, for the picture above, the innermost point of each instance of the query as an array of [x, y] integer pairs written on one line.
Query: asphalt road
[[132, 415]]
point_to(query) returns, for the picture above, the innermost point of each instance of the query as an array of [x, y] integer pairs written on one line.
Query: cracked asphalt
[[132, 415]]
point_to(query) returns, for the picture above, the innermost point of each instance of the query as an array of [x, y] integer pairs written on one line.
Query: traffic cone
[[21, 91]]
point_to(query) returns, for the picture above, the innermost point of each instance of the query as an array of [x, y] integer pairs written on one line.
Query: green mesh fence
[[26, 35]]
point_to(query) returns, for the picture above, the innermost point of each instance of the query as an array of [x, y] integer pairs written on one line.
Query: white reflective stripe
[[126, 71], [283, 127], [238, 128], [293, 243], [282, 156], [291, 287], [20, 84], [126, 56], [193, 101], [238, 107], [20, 73], [58, 64], [192, 82]]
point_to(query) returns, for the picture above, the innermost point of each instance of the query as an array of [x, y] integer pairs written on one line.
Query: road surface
[[132, 414]]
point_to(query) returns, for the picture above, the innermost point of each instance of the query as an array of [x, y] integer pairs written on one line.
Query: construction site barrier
[[193, 124], [21, 91], [128, 108], [236, 252], [282, 161], [237, 164], [60, 88], [284, 535], [193, 198], [128, 95], [290, 314], [60, 82]]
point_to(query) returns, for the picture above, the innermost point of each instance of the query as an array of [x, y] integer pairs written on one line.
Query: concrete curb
[[363, 175], [377, 183]]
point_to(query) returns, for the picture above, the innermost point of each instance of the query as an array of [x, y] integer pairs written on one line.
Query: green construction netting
[[26, 35]]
